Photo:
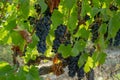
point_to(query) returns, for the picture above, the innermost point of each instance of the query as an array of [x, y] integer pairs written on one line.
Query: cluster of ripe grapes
[[74, 69], [59, 36], [94, 31], [42, 27], [95, 27], [42, 30], [113, 41]]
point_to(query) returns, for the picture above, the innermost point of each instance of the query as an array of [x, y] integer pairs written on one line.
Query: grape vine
[[64, 30]]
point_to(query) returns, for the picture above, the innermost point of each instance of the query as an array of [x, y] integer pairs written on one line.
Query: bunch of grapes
[[42, 30], [87, 17], [38, 8], [74, 69], [117, 39], [94, 31], [31, 20], [59, 37], [113, 7]]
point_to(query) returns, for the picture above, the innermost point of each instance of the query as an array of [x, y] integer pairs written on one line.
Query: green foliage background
[[14, 12]]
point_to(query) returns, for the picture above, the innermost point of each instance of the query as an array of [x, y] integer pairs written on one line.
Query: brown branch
[[38, 60], [45, 70]]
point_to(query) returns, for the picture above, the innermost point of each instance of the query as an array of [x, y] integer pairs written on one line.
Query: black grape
[[42, 30], [94, 31], [59, 36]]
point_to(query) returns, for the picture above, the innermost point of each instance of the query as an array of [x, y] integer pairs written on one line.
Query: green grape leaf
[[72, 20], [85, 8], [34, 41], [5, 68], [83, 33], [114, 25], [16, 38], [78, 47], [88, 65], [118, 2], [103, 28], [95, 57], [21, 75], [33, 73], [65, 50], [102, 57], [96, 3], [99, 57], [24, 7], [43, 5], [94, 11], [82, 59], [11, 25], [69, 3], [11, 76], [57, 18]]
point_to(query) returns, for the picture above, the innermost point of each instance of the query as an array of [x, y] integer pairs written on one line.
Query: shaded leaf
[[82, 59], [43, 5], [102, 57], [57, 18], [114, 25], [24, 7], [65, 50], [78, 47], [5, 68]]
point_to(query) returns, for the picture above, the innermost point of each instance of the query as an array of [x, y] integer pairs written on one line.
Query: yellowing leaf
[[88, 65]]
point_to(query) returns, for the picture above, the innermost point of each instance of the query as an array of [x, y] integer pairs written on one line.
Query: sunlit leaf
[[88, 65]]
